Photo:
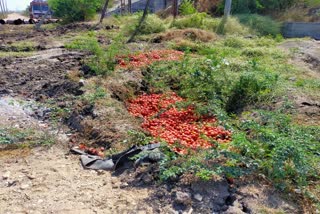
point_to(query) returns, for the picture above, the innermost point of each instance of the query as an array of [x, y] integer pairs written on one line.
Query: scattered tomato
[[144, 59], [162, 119]]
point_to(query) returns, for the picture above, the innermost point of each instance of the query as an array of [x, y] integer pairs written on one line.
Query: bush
[[203, 21], [234, 27], [152, 24], [102, 61], [192, 21], [250, 89], [258, 6], [75, 10], [87, 42], [187, 8], [263, 25]]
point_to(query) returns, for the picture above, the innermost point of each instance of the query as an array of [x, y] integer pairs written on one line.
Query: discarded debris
[[122, 160]]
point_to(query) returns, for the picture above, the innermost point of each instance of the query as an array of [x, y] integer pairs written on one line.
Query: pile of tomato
[[147, 58], [180, 128]]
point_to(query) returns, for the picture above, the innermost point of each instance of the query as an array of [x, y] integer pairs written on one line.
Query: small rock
[[6, 175], [31, 176], [24, 186], [11, 183], [81, 82], [292, 79], [124, 185], [298, 191], [183, 198], [198, 197], [234, 210]]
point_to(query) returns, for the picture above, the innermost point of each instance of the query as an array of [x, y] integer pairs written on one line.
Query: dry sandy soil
[[13, 16], [51, 180]]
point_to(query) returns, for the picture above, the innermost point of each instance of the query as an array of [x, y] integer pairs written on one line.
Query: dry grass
[[189, 33], [298, 13]]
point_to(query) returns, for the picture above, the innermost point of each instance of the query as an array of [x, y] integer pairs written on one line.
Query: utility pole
[[227, 11], [6, 6], [227, 8], [130, 6], [175, 8], [3, 9]]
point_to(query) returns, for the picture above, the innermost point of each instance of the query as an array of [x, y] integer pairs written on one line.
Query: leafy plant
[[263, 25], [187, 8], [152, 24], [75, 10], [191, 21], [103, 60]]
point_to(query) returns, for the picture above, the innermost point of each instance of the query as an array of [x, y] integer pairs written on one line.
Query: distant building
[[39, 8]]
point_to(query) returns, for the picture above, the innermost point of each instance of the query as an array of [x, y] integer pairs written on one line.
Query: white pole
[[3, 15], [227, 8]]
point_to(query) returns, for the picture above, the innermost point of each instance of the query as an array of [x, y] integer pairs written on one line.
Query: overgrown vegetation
[[235, 79], [263, 25], [22, 138], [75, 10], [240, 77], [187, 8], [103, 59], [152, 24]]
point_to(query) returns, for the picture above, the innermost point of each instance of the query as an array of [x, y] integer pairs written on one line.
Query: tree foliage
[[187, 7], [75, 10], [259, 6]]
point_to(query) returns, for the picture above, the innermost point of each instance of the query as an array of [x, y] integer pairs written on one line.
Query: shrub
[[152, 24], [102, 61], [258, 6], [263, 25], [75, 10], [192, 21], [187, 8], [249, 89], [234, 42], [234, 27], [87, 42], [202, 21]]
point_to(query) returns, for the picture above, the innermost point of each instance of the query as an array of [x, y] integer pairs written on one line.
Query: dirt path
[[13, 16], [49, 181]]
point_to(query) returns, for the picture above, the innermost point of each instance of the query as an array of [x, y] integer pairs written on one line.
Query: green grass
[[103, 59], [16, 54], [25, 138], [237, 80]]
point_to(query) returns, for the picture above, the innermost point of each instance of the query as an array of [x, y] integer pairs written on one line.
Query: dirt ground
[[13, 16], [306, 57], [51, 180]]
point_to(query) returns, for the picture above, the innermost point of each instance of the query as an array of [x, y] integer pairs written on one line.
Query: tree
[[75, 10], [143, 18], [104, 11]]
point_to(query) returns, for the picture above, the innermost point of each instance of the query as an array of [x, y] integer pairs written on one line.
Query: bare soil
[[306, 57]]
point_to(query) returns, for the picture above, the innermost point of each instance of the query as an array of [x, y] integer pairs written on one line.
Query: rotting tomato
[[147, 58], [162, 119]]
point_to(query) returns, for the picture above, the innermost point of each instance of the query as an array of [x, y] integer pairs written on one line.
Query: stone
[[234, 210], [292, 79], [24, 186], [183, 198], [198, 197], [6, 175]]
